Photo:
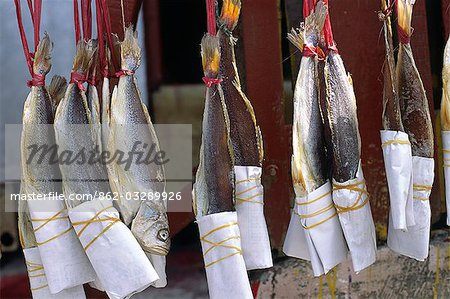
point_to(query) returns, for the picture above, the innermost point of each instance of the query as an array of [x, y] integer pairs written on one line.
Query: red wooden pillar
[[446, 17], [263, 72]]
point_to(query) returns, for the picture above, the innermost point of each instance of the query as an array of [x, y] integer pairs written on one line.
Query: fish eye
[[163, 234]]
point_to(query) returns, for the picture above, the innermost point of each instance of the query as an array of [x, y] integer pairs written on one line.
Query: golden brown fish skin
[[391, 117], [217, 151], [242, 128], [412, 96], [342, 118], [414, 104]]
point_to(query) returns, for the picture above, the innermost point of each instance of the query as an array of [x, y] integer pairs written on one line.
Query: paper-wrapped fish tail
[[216, 143], [244, 132], [412, 96]]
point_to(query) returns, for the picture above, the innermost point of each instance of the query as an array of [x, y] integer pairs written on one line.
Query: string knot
[[209, 82], [92, 80], [78, 79], [36, 80], [311, 51], [122, 73]]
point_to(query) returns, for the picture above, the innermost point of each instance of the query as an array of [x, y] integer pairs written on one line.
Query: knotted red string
[[78, 79], [36, 80], [403, 37], [311, 51], [35, 11], [211, 16], [122, 73], [209, 82]]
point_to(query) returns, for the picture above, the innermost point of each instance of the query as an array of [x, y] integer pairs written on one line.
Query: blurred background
[[170, 80]]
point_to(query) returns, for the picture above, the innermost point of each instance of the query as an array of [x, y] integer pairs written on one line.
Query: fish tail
[[296, 38], [42, 57], [404, 13], [130, 51], [229, 15], [82, 58], [320, 14], [210, 51], [57, 89]]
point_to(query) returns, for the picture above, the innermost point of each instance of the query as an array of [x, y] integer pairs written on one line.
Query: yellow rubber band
[[248, 180], [38, 288], [321, 211], [101, 233], [446, 151], [249, 199], [247, 190], [47, 220], [37, 275], [354, 206], [421, 198], [87, 222], [418, 187], [395, 142], [220, 244], [320, 222], [312, 201], [56, 236]]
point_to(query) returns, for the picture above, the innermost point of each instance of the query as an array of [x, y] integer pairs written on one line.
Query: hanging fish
[[445, 123]]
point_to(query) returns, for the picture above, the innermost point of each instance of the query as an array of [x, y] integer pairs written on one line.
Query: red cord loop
[[311, 51], [122, 73], [78, 79], [403, 37], [36, 80], [211, 16], [209, 82]]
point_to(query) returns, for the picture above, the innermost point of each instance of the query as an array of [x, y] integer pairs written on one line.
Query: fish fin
[[229, 15], [210, 51], [83, 57], [42, 58], [57, 89], [404, 14], [296, 37], [130, 52]]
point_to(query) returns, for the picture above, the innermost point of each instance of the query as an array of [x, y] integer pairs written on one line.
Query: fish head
[[42, 58], [151, 228], [130, 51]]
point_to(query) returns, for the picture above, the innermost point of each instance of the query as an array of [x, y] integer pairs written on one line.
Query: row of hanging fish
[[68, 243], [407, 139], [228, 194], [331, 214]]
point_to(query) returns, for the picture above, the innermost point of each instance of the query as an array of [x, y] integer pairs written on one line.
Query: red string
[[211, 16], [122, 73], [309, 51], [209, 82], [86, 18], [107, 20], [403, 37], [101, 42], [308, 6], [37, 79], [78, 79], [76, 19]]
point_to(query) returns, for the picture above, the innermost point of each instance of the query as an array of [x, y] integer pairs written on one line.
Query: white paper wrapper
[[414, 242], [398, 165], [321, 230], [295, 244], [65, 262], [352, 203], [222, 254], [38, 280], [446, 150], [121, 265], [159, 263], [250, 212]]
